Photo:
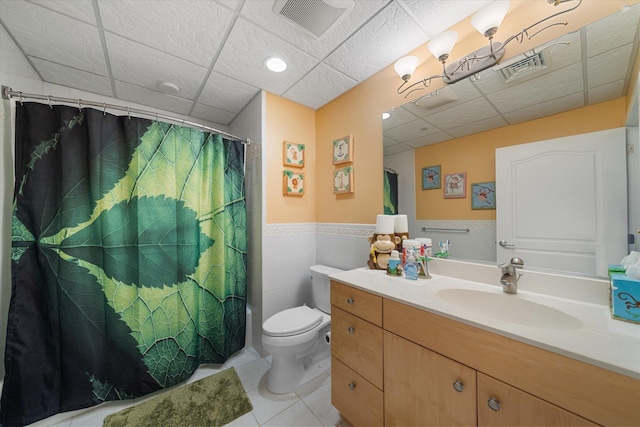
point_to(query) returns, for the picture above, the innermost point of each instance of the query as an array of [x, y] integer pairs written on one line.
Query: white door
[[562, 203]]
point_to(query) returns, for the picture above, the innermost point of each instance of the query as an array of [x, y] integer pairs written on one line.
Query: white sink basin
[[508, 308]]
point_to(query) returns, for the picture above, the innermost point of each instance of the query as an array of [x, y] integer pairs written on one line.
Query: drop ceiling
[[214, 51], [583, 68]]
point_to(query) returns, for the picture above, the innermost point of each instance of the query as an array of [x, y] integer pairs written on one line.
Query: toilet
[[298, 338]]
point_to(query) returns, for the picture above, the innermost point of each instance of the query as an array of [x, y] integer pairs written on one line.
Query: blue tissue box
[[624, 298]]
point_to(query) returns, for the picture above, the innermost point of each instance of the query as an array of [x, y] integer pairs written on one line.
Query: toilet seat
[[292, 321]]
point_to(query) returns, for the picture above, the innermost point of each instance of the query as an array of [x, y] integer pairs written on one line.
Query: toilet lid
[[292, 321]]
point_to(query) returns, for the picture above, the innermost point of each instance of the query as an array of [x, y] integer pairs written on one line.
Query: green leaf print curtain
[[390, 193], [128, 258]]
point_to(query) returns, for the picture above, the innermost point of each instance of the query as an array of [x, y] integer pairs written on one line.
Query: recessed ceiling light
[[385, 116], [168, 87], [275, 64]]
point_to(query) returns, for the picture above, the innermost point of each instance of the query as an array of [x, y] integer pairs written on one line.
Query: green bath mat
[[212, 401]]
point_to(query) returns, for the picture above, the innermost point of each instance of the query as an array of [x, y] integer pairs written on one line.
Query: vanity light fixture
[[486, 21]]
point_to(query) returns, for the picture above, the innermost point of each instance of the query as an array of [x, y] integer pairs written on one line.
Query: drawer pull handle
[[494, 404], [458, 386], [352, 386], [351, 329], [350, 301]]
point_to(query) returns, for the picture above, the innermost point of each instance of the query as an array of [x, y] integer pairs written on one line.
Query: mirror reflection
[[588, 69]]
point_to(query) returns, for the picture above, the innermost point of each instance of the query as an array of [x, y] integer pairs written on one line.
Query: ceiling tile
[[13, 61], [192, 30], [445, 98], [412, 130], [146, 67], [471, 111], [434, 138], [246, 49], [144, 96], [606, 92], [212, 114], [319, 87], [616, 30], [261, 13], [226, 93], [436, 16], [559, 83], [395, 149], [479, 126], [543, 109], [78, 46], [388, 141], [399, 116], [378, 44], [78, 9], [609, 66], [70, 77]]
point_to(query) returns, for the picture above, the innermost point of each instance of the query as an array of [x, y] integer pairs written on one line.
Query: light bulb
[[406, 66], [488, 19], [442, 44]]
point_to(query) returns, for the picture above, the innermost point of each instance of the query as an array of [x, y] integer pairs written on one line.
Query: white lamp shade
[[406, 66], [442, 44], [490, 16]]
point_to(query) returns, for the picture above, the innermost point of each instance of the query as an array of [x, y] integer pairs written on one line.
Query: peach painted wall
[[288, 121], [475, 155], [358, 111]]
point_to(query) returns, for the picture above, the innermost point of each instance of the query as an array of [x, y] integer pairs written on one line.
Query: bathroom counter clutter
[[580, 328]]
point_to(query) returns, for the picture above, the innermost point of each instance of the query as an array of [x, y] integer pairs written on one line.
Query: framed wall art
[[343, 180], [431, 177], [293, 154], [483, 195], [343, 150], [455, 185], [292, 183]]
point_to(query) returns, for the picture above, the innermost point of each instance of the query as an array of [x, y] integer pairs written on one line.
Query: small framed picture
[[292, 183], [483, 195], [343, 150], [455, 185], [343, 180], [293, 154], [431, 177]]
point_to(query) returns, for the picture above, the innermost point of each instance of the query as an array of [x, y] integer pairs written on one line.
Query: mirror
[[595, 66]]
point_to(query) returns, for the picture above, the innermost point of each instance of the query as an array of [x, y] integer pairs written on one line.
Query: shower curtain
[[128, 258], [390, 192]]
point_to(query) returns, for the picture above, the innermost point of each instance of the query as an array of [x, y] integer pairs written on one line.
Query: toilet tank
[[320, 286]]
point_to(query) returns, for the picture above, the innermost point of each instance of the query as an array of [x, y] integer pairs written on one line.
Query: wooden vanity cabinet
[[500, 404], [356, 350], [423, 388]]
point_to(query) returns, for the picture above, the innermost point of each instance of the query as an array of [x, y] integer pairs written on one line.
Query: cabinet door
[[423, 388], [500, 404], [358, 401], [358, 344]]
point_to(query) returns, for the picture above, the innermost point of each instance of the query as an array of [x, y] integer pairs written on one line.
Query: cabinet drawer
[[358, 344], [513, 407], [354, 301], [358, 401]]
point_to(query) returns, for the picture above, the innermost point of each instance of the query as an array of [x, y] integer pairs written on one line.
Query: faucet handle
[[516, 262]]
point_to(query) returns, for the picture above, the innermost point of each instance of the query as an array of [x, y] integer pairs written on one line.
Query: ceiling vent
[[314, 16], [437, 99], [524, 67]]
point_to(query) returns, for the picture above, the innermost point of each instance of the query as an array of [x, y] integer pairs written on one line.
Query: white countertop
[[591, 335]]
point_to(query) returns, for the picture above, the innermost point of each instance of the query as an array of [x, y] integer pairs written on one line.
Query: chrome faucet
[[509, 279]]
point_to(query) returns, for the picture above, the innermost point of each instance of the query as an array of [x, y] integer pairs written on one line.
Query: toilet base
[[299, 372]]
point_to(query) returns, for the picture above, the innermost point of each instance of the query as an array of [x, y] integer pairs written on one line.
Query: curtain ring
[[104, 109], [156, 117], [79, 106], [49, 98], [20, 98], [182, 123], [128, 113]]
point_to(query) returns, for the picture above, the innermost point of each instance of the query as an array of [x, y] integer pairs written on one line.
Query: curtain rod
[[8, 93]]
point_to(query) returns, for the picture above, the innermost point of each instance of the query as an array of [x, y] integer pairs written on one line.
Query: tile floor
[[308, 406]]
